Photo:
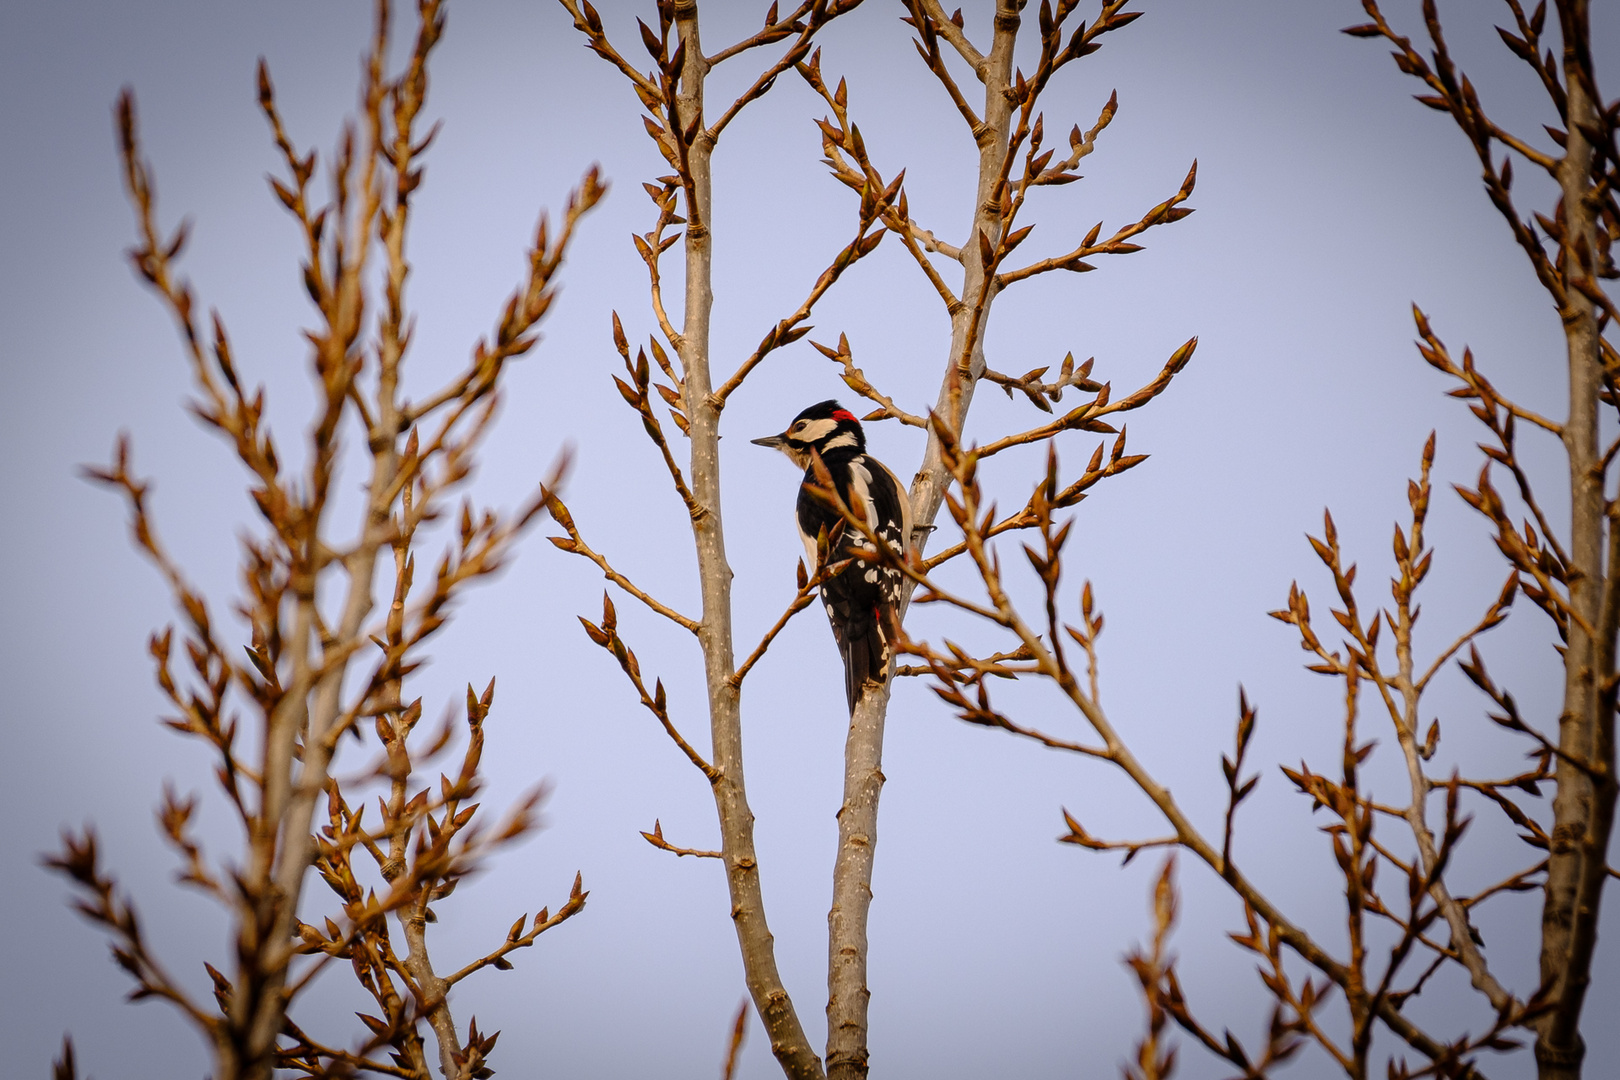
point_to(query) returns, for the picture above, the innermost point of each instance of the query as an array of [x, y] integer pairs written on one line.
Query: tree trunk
[[788, 1041], [1583, 808], [847, 992]]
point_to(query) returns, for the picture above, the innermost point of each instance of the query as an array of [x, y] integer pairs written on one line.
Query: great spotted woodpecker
[[862, 600]]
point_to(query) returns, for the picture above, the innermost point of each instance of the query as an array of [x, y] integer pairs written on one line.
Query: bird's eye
[[798, 428]]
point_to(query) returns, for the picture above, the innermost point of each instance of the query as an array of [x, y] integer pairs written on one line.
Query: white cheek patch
[[816, 430]]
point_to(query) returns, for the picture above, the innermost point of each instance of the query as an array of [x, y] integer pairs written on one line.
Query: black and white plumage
[[862, 600]]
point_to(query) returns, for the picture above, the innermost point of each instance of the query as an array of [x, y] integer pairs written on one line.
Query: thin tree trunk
[[1583, 808], [847, 992], [788, 1041]]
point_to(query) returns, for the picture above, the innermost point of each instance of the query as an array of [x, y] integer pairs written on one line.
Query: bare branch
[[656, 839], [576, 544]]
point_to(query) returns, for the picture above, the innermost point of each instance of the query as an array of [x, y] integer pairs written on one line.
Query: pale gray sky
[[1327, 202]]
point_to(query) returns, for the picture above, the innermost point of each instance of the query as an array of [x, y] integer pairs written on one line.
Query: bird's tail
[[866, 658]]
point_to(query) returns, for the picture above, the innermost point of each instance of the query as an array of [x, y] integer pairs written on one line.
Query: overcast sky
[[1328, 201]]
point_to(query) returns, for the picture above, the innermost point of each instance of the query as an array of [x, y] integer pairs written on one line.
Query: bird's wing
[[862, 602], [892, 521], [891, 502]]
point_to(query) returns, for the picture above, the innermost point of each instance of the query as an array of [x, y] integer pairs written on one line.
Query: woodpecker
[[863, 599]]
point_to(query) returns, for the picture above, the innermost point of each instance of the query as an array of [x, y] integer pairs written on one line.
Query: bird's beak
[[770, 442]]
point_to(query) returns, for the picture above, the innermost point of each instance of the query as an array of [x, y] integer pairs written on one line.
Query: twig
[[656, 839]]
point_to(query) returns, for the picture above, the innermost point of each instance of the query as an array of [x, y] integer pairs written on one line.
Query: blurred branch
[[274, 722]]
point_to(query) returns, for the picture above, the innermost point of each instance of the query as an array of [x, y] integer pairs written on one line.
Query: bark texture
[[788, 1041], [848, 994], [1583, 808]]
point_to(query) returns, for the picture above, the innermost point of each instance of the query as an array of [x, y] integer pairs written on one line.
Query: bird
[[863, 599]]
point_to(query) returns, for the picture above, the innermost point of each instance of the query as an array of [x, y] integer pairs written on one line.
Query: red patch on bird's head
[[844, 414]]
